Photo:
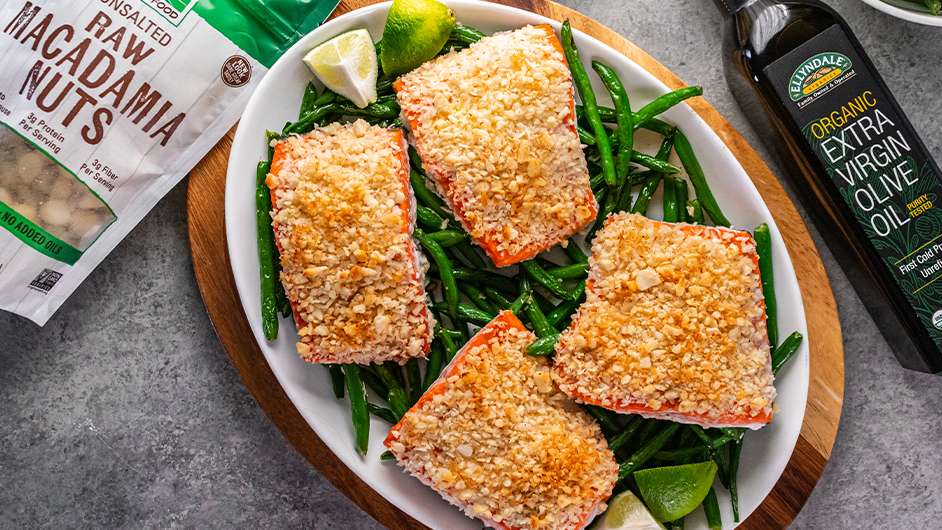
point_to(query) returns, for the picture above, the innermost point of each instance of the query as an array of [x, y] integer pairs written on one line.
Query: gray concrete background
[[125, 412]]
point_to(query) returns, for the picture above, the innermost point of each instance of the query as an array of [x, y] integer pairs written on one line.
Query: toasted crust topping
[[342, 214], [495, 127], [673, 326], [495, 437]]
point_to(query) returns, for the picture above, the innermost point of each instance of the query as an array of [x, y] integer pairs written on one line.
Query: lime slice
[[672, 492], [627, 512], [346, 64], [415, 31]]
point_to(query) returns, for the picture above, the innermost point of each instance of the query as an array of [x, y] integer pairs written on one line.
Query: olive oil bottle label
[[875, 160]]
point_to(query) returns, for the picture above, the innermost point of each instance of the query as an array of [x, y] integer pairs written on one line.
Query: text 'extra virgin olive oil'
[[860, 169]]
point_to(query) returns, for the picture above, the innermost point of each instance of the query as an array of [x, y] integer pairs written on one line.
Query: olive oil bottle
[[851, 155]]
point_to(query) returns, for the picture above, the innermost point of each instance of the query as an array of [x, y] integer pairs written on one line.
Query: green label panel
[[34, 236], [875, 159]]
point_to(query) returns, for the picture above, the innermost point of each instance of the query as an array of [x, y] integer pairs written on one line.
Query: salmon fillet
[[673, 326], [495, 128], [496, 438], [343, 214]]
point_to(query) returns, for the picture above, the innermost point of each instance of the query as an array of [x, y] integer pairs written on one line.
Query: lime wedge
[[672, 492], [346, 64], [627, 512], [415, 31]]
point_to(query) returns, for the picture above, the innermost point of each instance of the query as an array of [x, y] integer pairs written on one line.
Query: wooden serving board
[[826, 387]]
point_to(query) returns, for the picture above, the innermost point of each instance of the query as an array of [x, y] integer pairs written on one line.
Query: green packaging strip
[[36, 237], [265, 29]]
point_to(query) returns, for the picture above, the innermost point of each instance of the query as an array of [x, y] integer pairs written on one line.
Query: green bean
[[543, 346], [382, 413], [414, 378], [487, 278], [425, 196], [651, 162], [574, 251], [934, 6], [466, 34], [670, 200], [607, 199], [605, 418], [785, 351], [627, 433], [689, 159], [428, 218], [682, 455], [336, 379], [585, 136], [266, 254], [469, 313], [734, 453], [647, 191], [396, 397], [327, 96], [384, 84], [711, 508], [445, 270], [447, 238], [680, 194], [449, 344], [648, 450], [580, 78], [434, 366], [661, 103], [309, 120], [764, 250], [552, 284], [694, 211], [358, 407], [624, 132], [658, 126], [308, 99], [607, 114], [477, 298], [562, 311], [517, 305], [541, 326], [596, 181], [373, 381], [470, 255], [569, 272]]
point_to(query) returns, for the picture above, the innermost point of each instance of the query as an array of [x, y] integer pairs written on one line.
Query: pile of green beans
[[467, 291]]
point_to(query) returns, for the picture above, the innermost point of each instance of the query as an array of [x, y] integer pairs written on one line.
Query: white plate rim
[[905, 14], [245, 270]]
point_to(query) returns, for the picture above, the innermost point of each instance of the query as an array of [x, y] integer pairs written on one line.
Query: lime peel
[[415, 31], [672, 492]]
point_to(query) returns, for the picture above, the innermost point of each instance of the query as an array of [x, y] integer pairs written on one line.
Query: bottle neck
[[729, 7]]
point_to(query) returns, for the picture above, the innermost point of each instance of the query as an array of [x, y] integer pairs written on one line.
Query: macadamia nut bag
[[105, 105]]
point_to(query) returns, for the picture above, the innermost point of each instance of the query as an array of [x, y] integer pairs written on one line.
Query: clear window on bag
[[38, 188]]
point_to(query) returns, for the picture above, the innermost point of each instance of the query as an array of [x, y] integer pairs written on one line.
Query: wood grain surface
[[826, 386]]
